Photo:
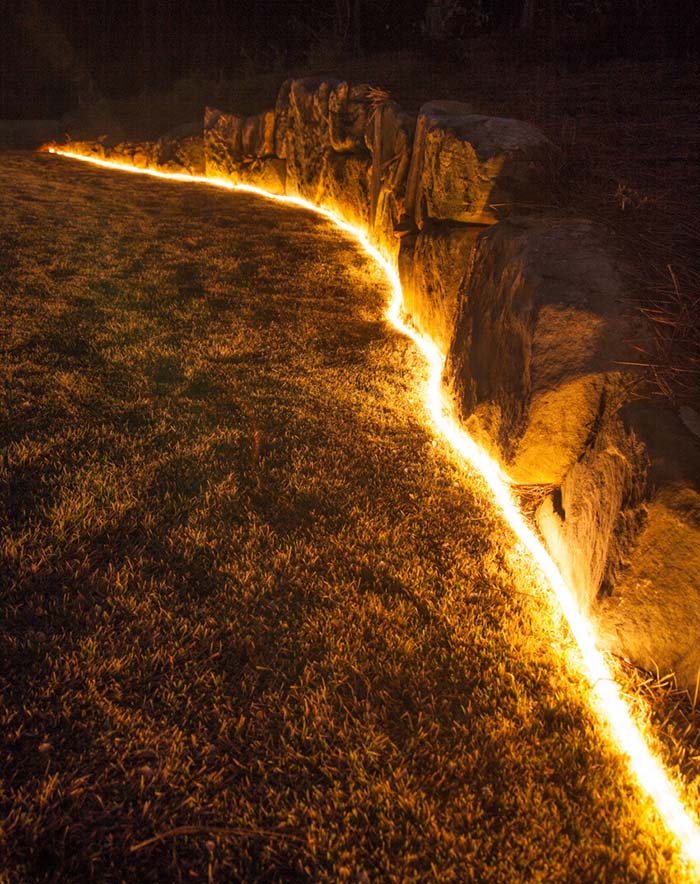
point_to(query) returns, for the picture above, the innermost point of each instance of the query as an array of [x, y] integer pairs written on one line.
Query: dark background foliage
[[56, 54]]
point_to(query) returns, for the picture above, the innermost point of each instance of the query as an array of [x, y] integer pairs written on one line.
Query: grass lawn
[[255, 624]]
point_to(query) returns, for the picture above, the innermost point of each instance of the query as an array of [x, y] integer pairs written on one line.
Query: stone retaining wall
[[531, 312]]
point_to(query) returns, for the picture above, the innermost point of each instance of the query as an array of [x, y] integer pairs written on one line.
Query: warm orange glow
[[625, 732]]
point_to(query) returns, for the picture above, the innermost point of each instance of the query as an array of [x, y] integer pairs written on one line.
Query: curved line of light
[[646, 768]]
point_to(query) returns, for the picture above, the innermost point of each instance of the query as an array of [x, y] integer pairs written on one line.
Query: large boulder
[[478, 169], [336, 110], [236, 149], [182, 150], [534, 369], [223, 143], [142, 154], [538, 337], [303, 115], [434, 265], [651, 616], [348, 112], [258, 136], [344, 187], [429, 115], [389, 137], [591, 521], [320, 125]]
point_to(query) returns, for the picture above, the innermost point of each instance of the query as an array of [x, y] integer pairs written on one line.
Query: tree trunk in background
[[527, 17]]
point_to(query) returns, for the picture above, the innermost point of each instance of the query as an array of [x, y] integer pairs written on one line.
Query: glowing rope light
[[646, 768]]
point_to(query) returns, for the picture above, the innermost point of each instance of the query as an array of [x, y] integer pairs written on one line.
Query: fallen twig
[[225, 831]]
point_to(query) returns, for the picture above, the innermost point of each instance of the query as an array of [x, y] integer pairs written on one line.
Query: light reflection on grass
[[245, 587]]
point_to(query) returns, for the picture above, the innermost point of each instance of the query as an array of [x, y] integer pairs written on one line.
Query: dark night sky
[[53, 52], [56, 53]]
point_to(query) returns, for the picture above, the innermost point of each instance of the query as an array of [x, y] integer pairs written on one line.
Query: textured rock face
[[347, 117], [182, 150], [478, 169], [532, 368], [532, 360], [320, 128], [429, 115], [532, 365], [268, 174], [282, 119], [652, 617], [303, 108], [389, 137], [142, 154], [86, 148], [591, 521], [434, 266], [258, 136], [237, 148], [223, 143], [344, 187]]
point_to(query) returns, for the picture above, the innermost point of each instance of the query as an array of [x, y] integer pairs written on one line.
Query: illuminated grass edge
[[610, 706]]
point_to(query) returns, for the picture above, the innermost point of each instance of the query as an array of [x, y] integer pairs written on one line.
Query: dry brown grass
[[257, 625]]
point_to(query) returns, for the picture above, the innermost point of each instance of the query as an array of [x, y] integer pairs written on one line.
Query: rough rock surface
[[237, 148], [142, 154], [258, 136], [479, 169], [304, 109], [282, 118], [320, 129], [533, 369], [344, 187], [268, 174], [182, 150], [429, 115], [223, 143], [652, 617], [434, 266], [537, 337], [86, 148], [347, 117], [389, 137], [591, 521]]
